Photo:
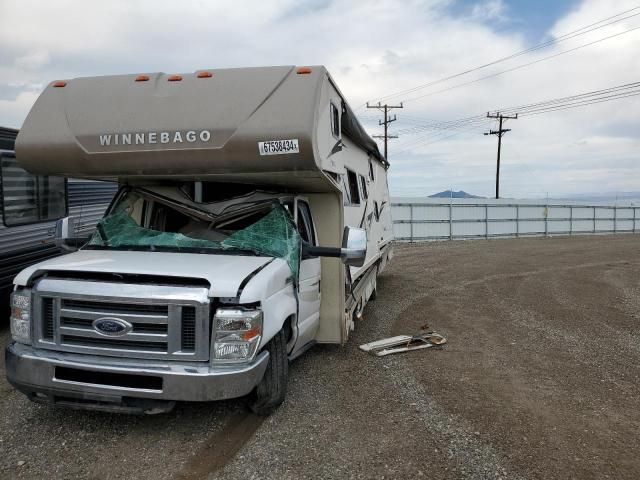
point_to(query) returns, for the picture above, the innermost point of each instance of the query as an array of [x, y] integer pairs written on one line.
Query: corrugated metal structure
[[458, 219], [23, 245]]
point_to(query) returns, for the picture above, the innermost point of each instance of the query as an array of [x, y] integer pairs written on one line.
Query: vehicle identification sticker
[[279, 147]]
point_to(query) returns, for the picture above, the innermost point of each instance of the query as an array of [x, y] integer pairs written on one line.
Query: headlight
[[237, 334], [21, 316]]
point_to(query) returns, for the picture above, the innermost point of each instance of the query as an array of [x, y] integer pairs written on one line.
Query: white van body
[[282, 139]]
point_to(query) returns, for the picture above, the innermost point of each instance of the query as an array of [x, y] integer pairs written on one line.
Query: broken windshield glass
[[139, 221]]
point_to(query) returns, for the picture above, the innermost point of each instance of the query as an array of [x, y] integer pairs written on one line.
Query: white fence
[[466, 219]]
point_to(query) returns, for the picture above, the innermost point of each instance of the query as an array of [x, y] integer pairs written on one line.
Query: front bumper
[[112, 384]]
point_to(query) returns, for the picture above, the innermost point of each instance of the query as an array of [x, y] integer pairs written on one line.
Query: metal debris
[[403, 343]]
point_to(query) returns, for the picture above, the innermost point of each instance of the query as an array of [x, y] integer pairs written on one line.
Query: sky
[[374, 49]]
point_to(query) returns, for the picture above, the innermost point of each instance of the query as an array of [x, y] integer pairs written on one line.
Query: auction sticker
[[279, 147]]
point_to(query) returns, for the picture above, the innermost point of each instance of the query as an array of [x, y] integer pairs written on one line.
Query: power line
[[537, 108], [523, 65], [578, 99], [566, 107], [581, 31], [603, 91], [433, 139]]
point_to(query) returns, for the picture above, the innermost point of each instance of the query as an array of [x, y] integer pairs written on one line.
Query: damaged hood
[[225, 273]]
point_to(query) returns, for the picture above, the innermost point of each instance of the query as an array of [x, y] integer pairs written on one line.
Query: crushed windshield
[[140, 220]]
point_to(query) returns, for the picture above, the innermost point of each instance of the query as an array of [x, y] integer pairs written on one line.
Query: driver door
[[309, 281]]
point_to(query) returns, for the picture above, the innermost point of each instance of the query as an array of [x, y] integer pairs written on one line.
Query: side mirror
[[354, 246], [353, 252], [65, 236]]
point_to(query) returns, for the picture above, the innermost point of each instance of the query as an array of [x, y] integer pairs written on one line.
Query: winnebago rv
[[29, 207], [251, 223]]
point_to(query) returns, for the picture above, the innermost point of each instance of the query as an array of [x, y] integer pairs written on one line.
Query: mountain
[[450, 194]]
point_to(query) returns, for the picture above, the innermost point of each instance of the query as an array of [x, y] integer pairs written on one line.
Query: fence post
[[634, 219], [517, 220], [615, 219], [411, 222], [594, 219], [486, 221], [450, 219], [570, 220], [546, 220]]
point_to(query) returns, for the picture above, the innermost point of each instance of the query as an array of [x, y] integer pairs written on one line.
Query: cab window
[[305, 224]]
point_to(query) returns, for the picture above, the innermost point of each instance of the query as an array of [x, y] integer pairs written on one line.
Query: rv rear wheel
[[272, 389]]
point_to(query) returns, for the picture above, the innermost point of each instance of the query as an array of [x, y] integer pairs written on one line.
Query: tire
[[374, 294], [272, 389]]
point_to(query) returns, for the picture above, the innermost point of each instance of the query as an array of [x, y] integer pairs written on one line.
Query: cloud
[[489, 10], [372, 49]]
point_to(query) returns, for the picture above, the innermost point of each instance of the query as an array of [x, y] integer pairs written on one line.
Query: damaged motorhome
[[251, 223]]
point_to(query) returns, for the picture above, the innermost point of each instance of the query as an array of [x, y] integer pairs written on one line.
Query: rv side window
[[371, 176], [363, 184], [345, 190], [354, 191], [28, 198], [335, 121]]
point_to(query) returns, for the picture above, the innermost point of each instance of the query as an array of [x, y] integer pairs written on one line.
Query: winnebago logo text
[[150, 138]]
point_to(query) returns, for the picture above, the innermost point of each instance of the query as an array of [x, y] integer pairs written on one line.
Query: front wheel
[[272, 389]]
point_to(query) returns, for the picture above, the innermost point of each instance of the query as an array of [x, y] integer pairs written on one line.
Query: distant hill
[[450, 194]]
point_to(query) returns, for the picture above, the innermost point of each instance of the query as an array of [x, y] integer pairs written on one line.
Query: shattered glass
[[273, 235]]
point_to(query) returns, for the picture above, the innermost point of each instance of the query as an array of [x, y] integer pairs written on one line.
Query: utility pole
[[387, 120], [500, 132]]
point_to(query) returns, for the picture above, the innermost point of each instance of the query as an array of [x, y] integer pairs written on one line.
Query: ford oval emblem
[[113, 327]]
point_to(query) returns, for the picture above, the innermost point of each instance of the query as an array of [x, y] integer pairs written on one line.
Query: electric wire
[[563, 103], [581, 31], [518, 67]]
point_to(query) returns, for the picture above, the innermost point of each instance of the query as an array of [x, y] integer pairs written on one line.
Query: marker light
[[60, 84], [142, 78], [303, 71], [175, 78], [205, 75]]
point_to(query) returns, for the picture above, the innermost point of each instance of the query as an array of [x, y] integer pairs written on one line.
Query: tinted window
[[363, 184], [305, 224], [28, 198], [354, 191], [345, 190], [335, 121]]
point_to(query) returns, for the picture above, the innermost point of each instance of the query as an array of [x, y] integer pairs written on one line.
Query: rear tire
[[272, 389]]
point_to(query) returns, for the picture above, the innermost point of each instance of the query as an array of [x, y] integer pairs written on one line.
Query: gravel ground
[[539, 379]]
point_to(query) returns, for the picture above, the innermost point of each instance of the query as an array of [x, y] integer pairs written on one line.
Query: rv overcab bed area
[[251, 222]]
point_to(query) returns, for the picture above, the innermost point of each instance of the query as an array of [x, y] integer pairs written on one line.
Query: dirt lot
[[540, 379]]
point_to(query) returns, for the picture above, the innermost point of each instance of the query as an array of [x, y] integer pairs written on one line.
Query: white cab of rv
[[251, 223]]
